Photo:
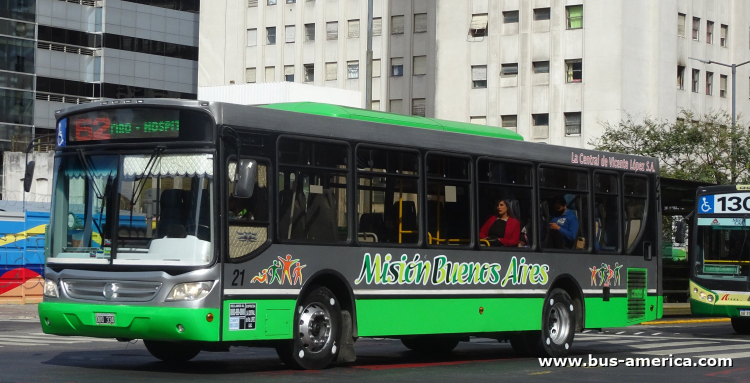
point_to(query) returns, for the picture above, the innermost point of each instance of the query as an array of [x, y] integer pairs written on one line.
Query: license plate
[[745, 313], [108, 319]]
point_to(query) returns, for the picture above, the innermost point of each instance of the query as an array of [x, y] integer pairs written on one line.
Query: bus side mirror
[[28, 176], [681, 233], [247, 171]]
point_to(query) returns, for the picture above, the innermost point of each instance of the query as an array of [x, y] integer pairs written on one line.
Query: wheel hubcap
[[559, 324], [314, 327]]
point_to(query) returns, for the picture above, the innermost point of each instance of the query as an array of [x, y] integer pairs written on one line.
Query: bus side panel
[[392, 317], [614, 313], [258, 319]]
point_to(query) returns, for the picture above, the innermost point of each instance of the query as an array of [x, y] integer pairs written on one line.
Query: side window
[[448, 200], [387, 196], [564, 201], [635, 204], [505, 204], [312, 191], [248, 217], [606, 212]]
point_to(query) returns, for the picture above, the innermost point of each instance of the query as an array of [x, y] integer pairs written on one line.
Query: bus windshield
[[164, 204], [725, 252]]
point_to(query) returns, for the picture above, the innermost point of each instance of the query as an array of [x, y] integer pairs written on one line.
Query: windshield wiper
[[138, 187]]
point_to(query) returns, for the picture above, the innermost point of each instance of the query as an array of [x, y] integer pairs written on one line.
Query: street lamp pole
[[734, 107], [368, 59]]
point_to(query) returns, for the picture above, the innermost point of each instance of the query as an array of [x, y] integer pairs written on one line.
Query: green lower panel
[[258, 319], [705, 309], [614, 313], [131, 322], [390, 317]]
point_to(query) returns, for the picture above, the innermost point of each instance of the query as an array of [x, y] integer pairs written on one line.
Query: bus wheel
[[558, 325], [317, 332], [171, 352], [430, 344], [741, 325]]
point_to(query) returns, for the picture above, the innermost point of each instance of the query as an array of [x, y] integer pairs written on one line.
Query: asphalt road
[[27, 355]]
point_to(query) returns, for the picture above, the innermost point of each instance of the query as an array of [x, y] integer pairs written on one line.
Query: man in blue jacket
[[563, 226]]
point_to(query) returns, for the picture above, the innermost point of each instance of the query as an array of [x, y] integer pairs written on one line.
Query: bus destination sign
[[734, 203], [123, 124]]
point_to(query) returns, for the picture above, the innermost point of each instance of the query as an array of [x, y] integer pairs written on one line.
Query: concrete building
[[551, 70]]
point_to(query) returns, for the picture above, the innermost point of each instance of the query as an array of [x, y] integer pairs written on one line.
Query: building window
[[271, 36], [352, 68], [509, 121], [510, 17], [289, 73], [574, 16], [332, 31], [271, 2], [420, 65], [252, 3], [681, 25], [709, 32], [291, 1], [478, 26], [709, 83], [509, 70], [353, 29], [309, 32], [252, 37], [270, 75], [250, 75], [572, 124], [723, 86], [375, 105], [417, 107], [696, 75], [309, 72], [541, 119], [696, 28], [724, 32], [574, 70], [541, 14], [397, 66], [680, 77], [479, 76], [397, 106], [331, 71], [478, 120], [289, 32], [420, 23], [541, 66], [397, 25], [376, 68], [377, 26]]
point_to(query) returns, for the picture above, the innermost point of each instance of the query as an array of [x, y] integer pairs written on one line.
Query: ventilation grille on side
[[636, 294]]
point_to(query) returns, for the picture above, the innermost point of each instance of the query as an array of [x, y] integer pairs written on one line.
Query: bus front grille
[[111, 291], [636, 294]]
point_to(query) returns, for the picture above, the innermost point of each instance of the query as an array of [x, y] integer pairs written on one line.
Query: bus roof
[[394, 119]]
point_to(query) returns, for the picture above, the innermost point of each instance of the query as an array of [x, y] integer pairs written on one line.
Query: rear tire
[[317, 332], [430, 344], [171, 352], [741, 325], [558, 326]]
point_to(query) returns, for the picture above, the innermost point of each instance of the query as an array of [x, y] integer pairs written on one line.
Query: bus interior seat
[[633, 224], [372, 223], [321, 219], [172, 212]]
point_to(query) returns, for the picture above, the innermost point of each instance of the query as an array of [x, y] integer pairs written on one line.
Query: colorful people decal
[[605, 275], [281, 270]]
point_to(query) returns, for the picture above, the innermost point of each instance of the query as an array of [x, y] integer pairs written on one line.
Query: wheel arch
[[568, 283], [336, 282]]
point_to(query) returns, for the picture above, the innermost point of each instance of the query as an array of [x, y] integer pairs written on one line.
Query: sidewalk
[[18, 312]]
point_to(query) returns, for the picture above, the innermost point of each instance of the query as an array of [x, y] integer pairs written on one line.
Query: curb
[[684, 321]]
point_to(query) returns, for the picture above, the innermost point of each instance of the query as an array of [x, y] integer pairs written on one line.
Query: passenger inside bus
[[502, 228], [563, 225]]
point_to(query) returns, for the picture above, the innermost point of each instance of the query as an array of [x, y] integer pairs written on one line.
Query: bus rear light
[[210, 317]]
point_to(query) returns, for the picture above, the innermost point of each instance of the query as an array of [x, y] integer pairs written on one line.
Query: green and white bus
[[719, 254], [303, 226]]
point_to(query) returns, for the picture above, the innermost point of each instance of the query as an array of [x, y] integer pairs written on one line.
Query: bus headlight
[[710, 298], [189, 291], [50, 288]]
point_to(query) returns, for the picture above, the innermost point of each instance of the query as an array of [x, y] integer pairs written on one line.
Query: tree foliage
[[696, 148]]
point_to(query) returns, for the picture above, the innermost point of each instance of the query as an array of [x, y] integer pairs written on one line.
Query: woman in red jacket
[[501, 229]]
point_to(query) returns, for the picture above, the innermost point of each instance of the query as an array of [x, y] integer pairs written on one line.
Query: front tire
[[317, 332], [558, 325], [171, 352], [741, 325]]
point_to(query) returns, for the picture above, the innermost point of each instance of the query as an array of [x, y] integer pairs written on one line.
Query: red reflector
[[210, 317]]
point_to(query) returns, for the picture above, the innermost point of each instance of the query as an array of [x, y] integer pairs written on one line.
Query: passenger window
[[564, 208], [606, 212], [636, 197], [448, 200], [312, 193], [387, 196], [248, 217], [504, 205]]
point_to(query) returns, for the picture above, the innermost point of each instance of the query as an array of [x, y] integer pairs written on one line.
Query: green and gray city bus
[[303, 226]]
